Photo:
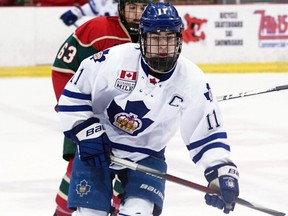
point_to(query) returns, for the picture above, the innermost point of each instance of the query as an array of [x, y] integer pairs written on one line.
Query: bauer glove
[[71, 16], [93, 145], [223, 178]]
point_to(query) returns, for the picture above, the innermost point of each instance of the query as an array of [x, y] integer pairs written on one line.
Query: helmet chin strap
[[134, 38], [132, 28]]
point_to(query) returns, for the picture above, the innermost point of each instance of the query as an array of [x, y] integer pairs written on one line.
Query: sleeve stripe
[[204, 141], [76, 95], [198, 156], [135, 149], [93, 7], [79, 108]]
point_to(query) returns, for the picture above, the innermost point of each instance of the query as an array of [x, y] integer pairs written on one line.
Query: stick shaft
[[251, 93], [171, 178], [75, 25]]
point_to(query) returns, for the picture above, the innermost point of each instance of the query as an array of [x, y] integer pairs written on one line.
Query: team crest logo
[[83, 188], [230, 183], [100, 56], [129, 119], [127, 122], [126, 81]]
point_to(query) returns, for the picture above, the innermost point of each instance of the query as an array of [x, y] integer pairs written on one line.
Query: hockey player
[[91, 8], [129, 101], [95, 35]]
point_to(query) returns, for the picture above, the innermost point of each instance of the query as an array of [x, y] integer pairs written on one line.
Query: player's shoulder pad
[[96, 28]]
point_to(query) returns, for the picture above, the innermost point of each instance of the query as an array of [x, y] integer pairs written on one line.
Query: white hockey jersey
[[100, 8], [142, 113]]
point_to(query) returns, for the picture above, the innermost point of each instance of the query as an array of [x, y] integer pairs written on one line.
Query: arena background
[[242, 46], [220, 36]]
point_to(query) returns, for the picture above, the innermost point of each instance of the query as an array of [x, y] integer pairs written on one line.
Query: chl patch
[[83, 188], [127, 122], [100, 56], [126, 81]]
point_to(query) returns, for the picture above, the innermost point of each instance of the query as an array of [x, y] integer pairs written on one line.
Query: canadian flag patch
[[128, 75]]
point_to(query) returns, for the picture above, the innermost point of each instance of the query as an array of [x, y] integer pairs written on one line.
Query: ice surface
[[31, 167]]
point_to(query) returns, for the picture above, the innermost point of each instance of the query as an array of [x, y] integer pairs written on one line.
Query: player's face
[[133, 12], [161, 44]]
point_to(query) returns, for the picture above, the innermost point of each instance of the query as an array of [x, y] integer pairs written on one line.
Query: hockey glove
[[223, 178], [93, 145], [71, 16]]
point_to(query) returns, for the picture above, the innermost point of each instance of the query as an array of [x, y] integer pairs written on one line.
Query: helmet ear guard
[[160, 17]]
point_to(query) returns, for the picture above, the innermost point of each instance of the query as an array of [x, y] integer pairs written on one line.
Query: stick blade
[[283, 87], [258, 207]]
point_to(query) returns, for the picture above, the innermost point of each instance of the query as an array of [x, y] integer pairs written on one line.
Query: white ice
[[31, 166]]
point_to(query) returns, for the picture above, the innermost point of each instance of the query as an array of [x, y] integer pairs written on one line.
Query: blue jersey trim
[[212, 137], [198, 156], [76, 95], [79, 108], [93, 7], [140, 150]]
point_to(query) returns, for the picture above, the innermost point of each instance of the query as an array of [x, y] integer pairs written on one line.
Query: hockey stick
[[250, 93], [75, 25], [156, 173]]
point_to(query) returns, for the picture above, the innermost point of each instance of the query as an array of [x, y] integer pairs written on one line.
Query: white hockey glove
[[94, 147], [71, 16], [223, 178]]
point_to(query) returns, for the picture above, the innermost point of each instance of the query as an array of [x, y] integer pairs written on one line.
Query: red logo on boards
[[193, 32], [272, 28]]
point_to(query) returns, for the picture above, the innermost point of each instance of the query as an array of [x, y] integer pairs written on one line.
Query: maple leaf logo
[[83, 188], [208, 94]]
